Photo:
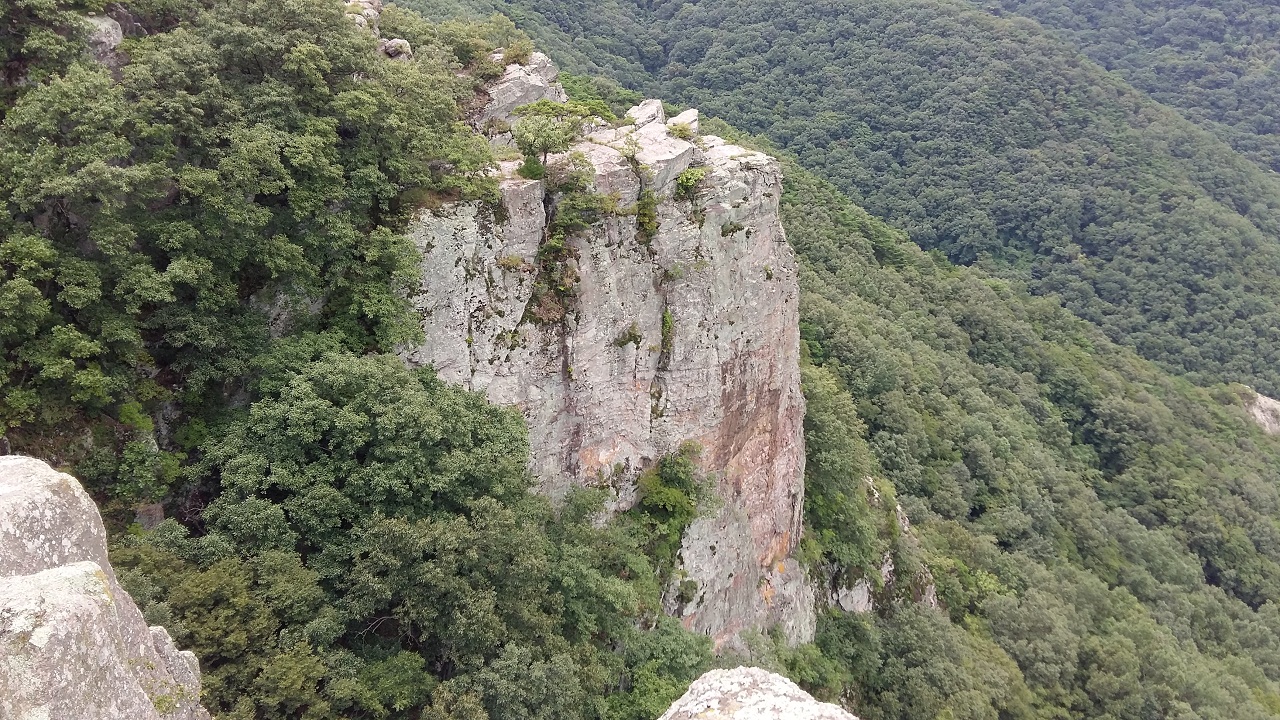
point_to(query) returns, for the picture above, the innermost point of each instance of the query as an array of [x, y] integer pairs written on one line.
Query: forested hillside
[[1218, 63], [1101, 534], [992, 141], [205, 283]]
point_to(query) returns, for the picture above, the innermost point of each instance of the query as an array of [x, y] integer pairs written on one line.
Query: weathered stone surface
[[105, 35], [1266, 412], [72, 643], [688, 118], [664, 156], [607, 391], [521, 85], [396, 49], [649, 111], [750, 694], [365, 14], [129, 24]]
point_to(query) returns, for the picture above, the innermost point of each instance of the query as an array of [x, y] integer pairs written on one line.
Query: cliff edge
[[73, 646], [675, 320]]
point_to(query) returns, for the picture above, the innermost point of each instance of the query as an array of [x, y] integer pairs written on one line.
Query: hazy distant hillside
[[1218, 63]]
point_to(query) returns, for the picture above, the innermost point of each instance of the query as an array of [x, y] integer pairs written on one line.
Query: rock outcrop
[[750, 694], [681, 325], [521, 85], [105, 36], [1265, 411], [73, 646], [365, 14]]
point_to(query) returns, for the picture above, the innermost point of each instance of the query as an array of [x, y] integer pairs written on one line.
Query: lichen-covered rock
[[72, 643], [687, 120], [750, 694], [365, 14], [396, 49], [648, 112], [685, 333], [105, 36]]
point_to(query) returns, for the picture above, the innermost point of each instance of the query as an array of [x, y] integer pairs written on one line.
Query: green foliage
[[374, 550], [540, 135], [731, 228], [1095, 529], [682, 131], [1101, 535], [687, 182], [669, 494], [576, 209], [1202, 58], [519, 52], [646, 217], [555, 282], [252, 157], [546, 127], [632, 336], [605, 98], [42, 38], [532, 168], [668, 331]]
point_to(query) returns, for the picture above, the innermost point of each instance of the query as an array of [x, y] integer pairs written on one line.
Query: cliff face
[[685, 333], [72, 643]]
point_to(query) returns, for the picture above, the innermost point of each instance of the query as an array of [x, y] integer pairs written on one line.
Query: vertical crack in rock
[[689, 333]]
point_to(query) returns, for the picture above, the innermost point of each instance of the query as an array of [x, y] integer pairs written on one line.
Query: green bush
[[687, 182]]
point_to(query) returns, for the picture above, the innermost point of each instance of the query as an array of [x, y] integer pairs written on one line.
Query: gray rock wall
[[688, 335], [73, 646]]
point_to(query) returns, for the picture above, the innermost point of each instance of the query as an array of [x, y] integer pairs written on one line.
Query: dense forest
[[351, 538], [1099, 532], [990, 140], [1218, 63]]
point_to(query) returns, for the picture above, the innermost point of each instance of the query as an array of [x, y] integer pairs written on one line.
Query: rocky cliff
[[73, 646], [1265, 411], [750, 694], [676, 320]]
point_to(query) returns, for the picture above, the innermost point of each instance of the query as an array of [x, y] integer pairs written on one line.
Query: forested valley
[[1033, 298]]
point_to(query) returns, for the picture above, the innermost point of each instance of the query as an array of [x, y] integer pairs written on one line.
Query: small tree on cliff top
[[546, 127]]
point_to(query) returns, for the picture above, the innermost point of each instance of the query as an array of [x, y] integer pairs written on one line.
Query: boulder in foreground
[[750, 694]]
